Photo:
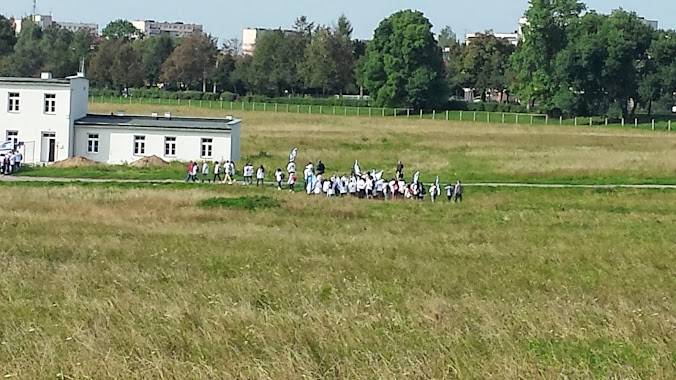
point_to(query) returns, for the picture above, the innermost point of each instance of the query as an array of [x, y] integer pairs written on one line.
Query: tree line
[[570, 61]]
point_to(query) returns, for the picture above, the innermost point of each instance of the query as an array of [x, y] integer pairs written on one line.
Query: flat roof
[[144, 121], [33, 80]]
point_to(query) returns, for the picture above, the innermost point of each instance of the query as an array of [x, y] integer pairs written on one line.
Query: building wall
[[235, 141], [116, 144], [249, 37], [31, 121]]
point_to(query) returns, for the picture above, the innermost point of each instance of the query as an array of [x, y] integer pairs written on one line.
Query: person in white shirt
[[291, 167], [433, 192], [195, 170], [248, 174], [260, 176], [279, 177], [450, 189], [308, 173], [292, 182], [217, 172], [205, 171], [361, 188], [352, 186], [326, 188]]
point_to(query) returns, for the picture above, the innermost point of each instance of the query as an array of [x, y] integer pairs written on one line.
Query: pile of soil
[[149, 162], [76, 162]]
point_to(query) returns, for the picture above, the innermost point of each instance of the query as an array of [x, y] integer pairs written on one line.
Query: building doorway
[[48, 151]]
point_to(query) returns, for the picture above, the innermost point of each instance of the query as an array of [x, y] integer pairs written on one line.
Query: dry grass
[[473, 152], [139, 284]]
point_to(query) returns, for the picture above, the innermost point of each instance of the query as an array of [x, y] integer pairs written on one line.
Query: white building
[[251, 35], [45, 21], [47, 120], [152, 28], [512, 38], [651, 23]]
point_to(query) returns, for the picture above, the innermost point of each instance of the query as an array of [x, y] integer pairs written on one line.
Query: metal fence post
[[253, 108], [546, 119], [474, 117], [488, 116], [623, 122], [358, 111], [232, 106], [334, 110], [221, 104], [345, 109], [517, 118], [434, 114], [242, 106], [576, 120], [408, 113], [606, 122], [370, 109], [460, 115], [421, 112], [395, 113], [200, 103], [669, 125], [446, 115], [287, 107], [503, 118], [321, 110], [636, 122], [276, 107], [298, 108], [383, 111], [590, 122], [653, 124], [309, 110], [209, 103], [265, 107], [531, 119], [560, 120]]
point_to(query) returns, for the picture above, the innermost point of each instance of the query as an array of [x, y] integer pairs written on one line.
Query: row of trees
[[576, 62]]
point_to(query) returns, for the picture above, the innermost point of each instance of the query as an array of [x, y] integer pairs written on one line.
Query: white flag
[[357, 171], [292, 155], [7, 145], [379, 175], [437, 185], [416, 176]]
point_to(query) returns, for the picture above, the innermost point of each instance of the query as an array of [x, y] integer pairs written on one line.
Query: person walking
[[260, 176], [292, 182], [450, 189], [217, 172], [400, 170], [205, 171], [321, 168], [189, 169], [279, 177], [458, 192], [195, 170], [433, 192]]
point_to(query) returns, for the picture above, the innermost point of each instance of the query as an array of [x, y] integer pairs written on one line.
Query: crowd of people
[[10, 162], [368, 185]]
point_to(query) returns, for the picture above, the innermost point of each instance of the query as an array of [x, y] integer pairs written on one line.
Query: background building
[[47, 121], [45, 21], [251, 35], [513, 38], [152, 28]]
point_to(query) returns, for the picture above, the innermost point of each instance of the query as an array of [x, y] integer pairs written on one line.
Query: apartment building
[[152, 28], [46, 21]]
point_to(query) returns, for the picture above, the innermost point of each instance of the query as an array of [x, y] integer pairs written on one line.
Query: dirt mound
[[149, 162], [76, 162]]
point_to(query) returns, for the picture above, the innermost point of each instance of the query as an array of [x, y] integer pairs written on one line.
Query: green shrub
[[242, 203]]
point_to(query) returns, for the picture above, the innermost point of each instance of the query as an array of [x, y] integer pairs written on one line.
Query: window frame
[[206, 142], [170, 141], [93, 142], [139, 146], [13, 102], [49, 104], [12, 135]]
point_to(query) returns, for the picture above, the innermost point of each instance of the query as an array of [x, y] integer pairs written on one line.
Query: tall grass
[[110, 282]]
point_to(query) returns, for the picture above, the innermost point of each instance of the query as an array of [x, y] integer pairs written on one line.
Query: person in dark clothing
[[321, 169], [458, 192], [400, 170]]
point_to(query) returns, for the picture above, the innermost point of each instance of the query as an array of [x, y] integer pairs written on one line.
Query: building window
[[207, 148], [170, 146], [13, 136], [139, 145], [93, 143], [13, 102], [50, 103]]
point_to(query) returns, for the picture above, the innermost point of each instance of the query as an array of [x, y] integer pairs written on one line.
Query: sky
[[226, 19]]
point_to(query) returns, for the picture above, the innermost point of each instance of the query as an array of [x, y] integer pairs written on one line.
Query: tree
[[485, 63], [447, 38], [154, 52], [344, 27], [122, 29], [100, 69], [658, 82], [58, 56], [126, 71], [545, 35], [191, 62], [7, 37], [404, 65], [329, 59], [303, 26], [28, 58]]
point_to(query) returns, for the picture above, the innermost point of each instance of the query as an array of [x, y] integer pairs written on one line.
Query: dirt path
[[485, 184]]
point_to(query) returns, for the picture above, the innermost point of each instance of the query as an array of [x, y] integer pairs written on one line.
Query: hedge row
[[308, 101], [157, 93]]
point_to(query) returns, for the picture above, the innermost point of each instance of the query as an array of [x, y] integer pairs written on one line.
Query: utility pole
[[35, 7]]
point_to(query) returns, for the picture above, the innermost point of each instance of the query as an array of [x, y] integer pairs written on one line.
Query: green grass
[[140, 281], [244, 203], [643, 121]]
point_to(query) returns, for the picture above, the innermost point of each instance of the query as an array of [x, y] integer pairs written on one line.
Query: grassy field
[[138, 281], [472, 152]]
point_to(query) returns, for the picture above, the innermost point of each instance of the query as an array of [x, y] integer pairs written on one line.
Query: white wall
[[31, 120], [116, 144]]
